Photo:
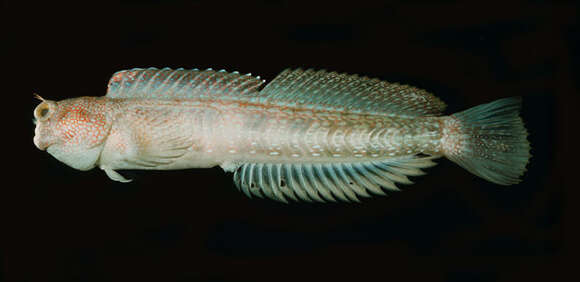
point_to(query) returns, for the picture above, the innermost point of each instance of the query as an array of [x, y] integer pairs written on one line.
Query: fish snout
[[40, 144]]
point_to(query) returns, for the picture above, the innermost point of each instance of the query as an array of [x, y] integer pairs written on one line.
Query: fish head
[[72, 130]]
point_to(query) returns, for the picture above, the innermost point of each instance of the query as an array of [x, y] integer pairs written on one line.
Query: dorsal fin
[[303, 88], [321, 89], [153, 83]]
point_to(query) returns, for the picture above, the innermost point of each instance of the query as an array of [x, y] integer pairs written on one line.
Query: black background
[[60, 224]]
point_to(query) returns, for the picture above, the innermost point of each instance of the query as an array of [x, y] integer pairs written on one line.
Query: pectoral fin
[[162, 152], [160, 140]]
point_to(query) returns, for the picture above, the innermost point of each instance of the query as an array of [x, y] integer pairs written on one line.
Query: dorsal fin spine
[[175, 83], [153, 78], [251, 89], [196, 81], [246, 80], [205, 83], [136, 79], [216, 84], [168, 73], [232, 81]]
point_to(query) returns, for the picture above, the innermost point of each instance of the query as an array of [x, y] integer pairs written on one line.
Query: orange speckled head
[[72, 130]]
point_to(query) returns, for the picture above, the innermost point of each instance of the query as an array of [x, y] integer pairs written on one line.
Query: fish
[[308, 135]]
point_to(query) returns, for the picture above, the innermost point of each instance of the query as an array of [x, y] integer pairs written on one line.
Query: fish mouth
[[43, 146]]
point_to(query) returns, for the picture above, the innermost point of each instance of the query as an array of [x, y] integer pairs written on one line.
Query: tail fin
[[489, 140]]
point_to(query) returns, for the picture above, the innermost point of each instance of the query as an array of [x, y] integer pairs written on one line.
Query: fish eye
[[42, 111]]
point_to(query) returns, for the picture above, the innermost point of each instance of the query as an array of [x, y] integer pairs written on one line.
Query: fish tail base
[[489, 140]]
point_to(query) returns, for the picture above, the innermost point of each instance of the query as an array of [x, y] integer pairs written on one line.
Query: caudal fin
[[489, 140]]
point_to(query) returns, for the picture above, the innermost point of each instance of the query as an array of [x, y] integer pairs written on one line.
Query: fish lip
[[42, 146]]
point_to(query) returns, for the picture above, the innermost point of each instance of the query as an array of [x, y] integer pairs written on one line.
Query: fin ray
[[315, 182], [328, 182], [166, 83], [291, 182], [492, 141], [331, 90], [306, 88]]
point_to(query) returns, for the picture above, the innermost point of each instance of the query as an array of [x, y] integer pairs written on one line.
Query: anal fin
[[326, 182]]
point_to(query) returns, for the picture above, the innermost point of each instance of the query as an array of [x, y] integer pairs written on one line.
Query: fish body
[[312, 136]]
